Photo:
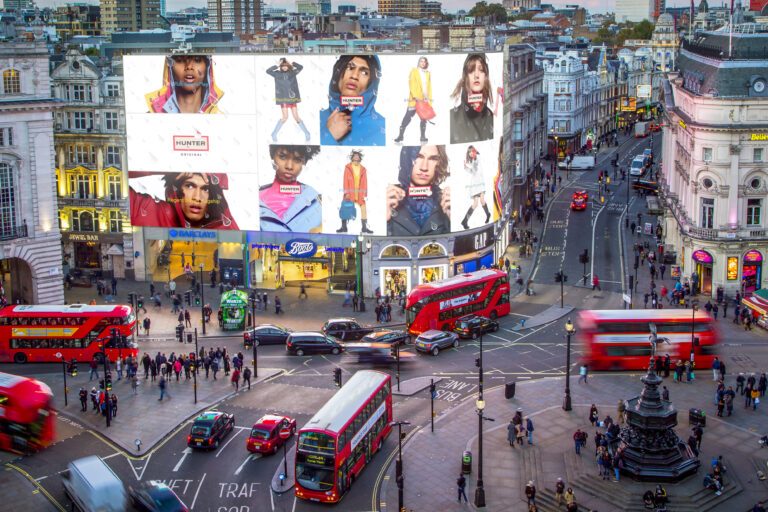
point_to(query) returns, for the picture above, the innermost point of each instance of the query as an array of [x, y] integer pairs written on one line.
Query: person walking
[[303, 292], [113, 405], [236, 380], [596, 283], [530, 493], [215, 367], [461, 484], [83, 394], [187, 319], [594, 416], [621, 408], [529, 429], [577, 441], [559, 490], [114, 286], [511, 433], [755, 398], [278, 306], [162, 386], [135, 384], [715, 369], [94, 366], [247, 377], [583, 373], [520, 433], [146, 323], [570, 499]]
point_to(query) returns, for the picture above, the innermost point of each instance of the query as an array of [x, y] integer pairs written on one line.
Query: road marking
[[239, 429], [143, 468], [197, 492], [294, 504], [41, 478], [498, 337], [250, 457], [594, 225], [186, 452], [271, 497]]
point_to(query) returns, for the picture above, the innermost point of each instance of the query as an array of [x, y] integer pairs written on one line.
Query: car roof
[[307, 333], [466, 317], [209, 415], [432, 333], [270, 420], [260, 326], [341, 319], [647, 150]]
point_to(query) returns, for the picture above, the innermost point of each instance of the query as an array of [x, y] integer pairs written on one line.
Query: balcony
[[13, 233]]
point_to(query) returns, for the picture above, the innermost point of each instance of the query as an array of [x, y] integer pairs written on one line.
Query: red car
[[265, 433], [579, 200]]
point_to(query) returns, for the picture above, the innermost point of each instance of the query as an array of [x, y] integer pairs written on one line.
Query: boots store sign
[[301, 248]]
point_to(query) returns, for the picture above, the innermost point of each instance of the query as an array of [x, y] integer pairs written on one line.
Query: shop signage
[[458, 301], [474, 242], [759, 136], [628, 104], [104, 238], [675, 270], [82, 237], [192, 233], [334, 249], [190, 143], [644, 91], [272, 247], [753, 256], [732, 268], [301, 248], [702, 256]]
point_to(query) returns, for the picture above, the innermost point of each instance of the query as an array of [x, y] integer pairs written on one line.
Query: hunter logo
[[301, 248], [190, 143], [351, 101], [290, 189], [419, 191]]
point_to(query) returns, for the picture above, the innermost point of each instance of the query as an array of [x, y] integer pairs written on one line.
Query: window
[[7, 200], [82, 186], [82, 221], [113, 155], [111, 121], [707, 212], [81, 92], [758, 155], [113, 90], [115, 221], [81, 154], [707, 154], [11, 81], [81, 120], [518, 134], [115, 186], [6, 136], [754, 209]]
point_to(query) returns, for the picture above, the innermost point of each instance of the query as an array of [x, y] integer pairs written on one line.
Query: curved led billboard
[[396, 145]]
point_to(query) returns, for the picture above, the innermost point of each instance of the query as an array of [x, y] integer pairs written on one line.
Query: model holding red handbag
[[419, 99]]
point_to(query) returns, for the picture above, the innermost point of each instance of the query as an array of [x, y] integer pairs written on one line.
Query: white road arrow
[[186, 452]]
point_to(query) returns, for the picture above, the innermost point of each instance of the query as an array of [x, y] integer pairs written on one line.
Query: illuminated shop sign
[[192, 233], [732, 268]]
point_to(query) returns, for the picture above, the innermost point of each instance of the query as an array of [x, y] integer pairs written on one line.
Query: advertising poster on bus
[[398, 145]]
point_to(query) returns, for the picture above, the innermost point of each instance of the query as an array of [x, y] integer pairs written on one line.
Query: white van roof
[[95, 471]]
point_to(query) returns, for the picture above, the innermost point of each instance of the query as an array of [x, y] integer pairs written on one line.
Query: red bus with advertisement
[[50, 334], [439, 304], [26, 414], [619, 339], [340, 439]]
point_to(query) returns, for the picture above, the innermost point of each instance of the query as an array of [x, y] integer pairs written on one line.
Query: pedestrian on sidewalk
[[146, 323], [715, 369], [530, 493], [698, 433], [114, 286], [113, 405], [596, 283], [119, 368], [593, 415], [577, 441], [162, 386], [559, 490], [135, 384], [665, 393], [94, 370], [278, 306], [755, 398], [215, 367], [583, 373], [187, 318], [83, 394], [461, 484], [761, 385], [529, 429], [715, 310], [520, 433], [95, 399], [511, 433], [145, 362], [153, 369], [236, 380], [728, 398], [303, 292], [247, 377], [570, 500]]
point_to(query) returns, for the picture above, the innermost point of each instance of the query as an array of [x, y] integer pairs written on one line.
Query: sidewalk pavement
[[141, 415], [432, 461]]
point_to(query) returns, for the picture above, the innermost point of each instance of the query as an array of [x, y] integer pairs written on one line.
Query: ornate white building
[[30, 243], [715, 161], [664, 43]]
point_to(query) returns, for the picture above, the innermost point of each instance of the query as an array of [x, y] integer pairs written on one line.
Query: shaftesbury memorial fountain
[[650, 447]]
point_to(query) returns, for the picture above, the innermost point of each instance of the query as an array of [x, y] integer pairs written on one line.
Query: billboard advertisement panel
[[394, 145]]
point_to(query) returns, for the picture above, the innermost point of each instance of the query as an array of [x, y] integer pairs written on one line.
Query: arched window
[[432, 250], [11, 81], [8, 222], [395, 251]]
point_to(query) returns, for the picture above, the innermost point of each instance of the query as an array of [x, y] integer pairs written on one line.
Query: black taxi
[[210, 428]]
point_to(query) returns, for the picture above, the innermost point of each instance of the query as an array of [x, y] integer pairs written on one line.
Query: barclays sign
[[197, 234], [301, 248]]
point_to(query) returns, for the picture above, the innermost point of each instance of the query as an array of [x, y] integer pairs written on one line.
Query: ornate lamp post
[[569, 331], [202, 298], [399, 476], [358, 246]]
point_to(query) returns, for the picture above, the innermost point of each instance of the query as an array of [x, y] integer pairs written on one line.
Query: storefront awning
[[756, 303], [115, 250], [763, 294]]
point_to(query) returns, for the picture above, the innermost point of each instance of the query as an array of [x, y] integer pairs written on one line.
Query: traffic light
[[108, 381], [337, 376], [477, 362], [139, 302], [433, 391], [72, 368], [197, 300], [188, 298], [584, 257], [559, 276], [180, 333]]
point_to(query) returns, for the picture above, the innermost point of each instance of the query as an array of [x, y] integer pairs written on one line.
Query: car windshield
[[313, 477], [259, 433], [463, 324], [201, 428]]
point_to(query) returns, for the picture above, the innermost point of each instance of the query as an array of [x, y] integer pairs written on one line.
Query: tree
[[483, 9]]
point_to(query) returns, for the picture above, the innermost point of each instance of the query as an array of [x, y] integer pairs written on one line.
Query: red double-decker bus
[[437, 305], [45, 334], [619, 339], [26, 414], [340, 439]]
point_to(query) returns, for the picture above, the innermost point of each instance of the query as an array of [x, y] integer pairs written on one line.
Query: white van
[[92, 486], [579, 163], [638, 166]]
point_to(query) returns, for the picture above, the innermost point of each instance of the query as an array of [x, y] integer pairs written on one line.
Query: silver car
[[433, 341]]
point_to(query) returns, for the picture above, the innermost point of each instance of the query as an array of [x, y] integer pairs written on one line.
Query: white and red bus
[[439, 304], [45, 334], [340, 439], [26, 414], [618, 339]]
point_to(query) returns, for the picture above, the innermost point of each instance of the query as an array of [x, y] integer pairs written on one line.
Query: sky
[[448, 5]]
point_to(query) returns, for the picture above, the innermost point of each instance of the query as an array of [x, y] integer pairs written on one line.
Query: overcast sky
[[448, 5]]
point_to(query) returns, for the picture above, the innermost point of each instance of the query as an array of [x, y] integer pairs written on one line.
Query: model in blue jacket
[[355, 78]]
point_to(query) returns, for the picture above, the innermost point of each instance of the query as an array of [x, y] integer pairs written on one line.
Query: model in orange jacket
[[355, 189]]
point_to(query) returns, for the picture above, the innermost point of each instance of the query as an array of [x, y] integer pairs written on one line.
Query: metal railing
[[13, 233]]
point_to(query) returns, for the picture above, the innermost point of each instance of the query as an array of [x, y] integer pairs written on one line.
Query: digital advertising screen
[[389, 145]]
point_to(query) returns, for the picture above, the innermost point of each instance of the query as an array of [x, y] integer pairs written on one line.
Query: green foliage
[[483, 9]]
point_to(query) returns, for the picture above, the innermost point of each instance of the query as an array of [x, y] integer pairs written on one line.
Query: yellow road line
[[38, 487]]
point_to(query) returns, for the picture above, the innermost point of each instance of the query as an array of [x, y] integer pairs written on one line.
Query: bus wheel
[[435, 351], [19, 358], [493, 315]]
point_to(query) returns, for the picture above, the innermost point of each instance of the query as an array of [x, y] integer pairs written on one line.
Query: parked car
[[387, 336], [267, 334], [301, 343], [579, 200], [210, 428], [472, 326], [637, 168], [433, 341], [265, 433], [92, 486], [153, 496], [346, 329]]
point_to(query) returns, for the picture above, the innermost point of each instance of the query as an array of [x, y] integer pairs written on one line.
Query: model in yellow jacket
[[419, 89]]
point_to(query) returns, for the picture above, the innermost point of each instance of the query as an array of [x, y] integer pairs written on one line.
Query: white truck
[[92, 486], [641, 129], [579, 163]]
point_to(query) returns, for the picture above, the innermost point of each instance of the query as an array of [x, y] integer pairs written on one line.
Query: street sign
[[285, 433], [627, 298]]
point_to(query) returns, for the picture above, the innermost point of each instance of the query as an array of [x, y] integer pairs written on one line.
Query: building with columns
[[664, 43], [714, 177], [30, 243]]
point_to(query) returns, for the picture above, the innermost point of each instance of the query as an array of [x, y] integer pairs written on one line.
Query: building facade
[[243, 17], [76, 20], [30, 243], [315, 7], [406, 8], [634, 10], [714, 175], [664, 43], [129, 16], [90, 168]]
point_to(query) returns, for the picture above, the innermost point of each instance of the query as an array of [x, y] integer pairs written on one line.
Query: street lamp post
[[197, 366], [202, 297], [65, 369], [626, 216], [399, 476], [694, 308], [254, 344], [480, 403], [105, 360], [569, 331], [358, 246]]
